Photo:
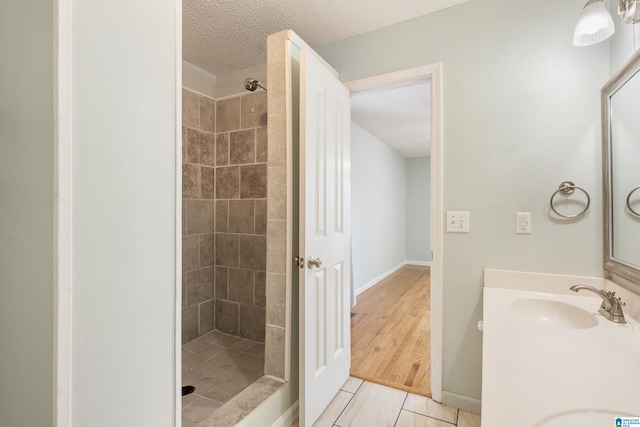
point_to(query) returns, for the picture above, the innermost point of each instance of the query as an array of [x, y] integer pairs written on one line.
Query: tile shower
[[224, 190]]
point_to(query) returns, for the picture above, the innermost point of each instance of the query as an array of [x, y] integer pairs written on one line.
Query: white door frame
[[432, 73], [62, 212]]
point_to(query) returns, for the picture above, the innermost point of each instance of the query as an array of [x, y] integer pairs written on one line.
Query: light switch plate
[[458, 221]]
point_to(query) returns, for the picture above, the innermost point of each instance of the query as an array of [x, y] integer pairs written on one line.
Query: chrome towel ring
[[567, 188], [629, 202]]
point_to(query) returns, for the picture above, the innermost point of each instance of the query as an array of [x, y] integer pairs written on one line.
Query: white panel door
[[325, 350]]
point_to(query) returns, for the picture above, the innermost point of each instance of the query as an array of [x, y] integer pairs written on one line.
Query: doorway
[[431, 268]]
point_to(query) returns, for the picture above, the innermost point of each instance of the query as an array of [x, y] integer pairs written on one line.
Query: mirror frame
[[612, 265]]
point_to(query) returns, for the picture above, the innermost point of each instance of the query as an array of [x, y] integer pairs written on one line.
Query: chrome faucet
[[611, 307]]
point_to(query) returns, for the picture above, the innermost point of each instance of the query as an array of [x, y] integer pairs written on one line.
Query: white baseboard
[[370, 283], [288, 417], [422, 263], [459, 401], [373, 282]]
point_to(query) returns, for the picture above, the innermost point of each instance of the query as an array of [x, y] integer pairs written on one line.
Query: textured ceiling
[[221, 36], [400, 117]]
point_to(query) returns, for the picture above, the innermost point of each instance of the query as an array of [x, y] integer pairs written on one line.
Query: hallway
[[390, 332]]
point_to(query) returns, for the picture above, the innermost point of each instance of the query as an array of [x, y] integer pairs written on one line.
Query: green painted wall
[[26, 213], [521, 115]]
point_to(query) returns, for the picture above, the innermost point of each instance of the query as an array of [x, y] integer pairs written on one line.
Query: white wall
[[378, 207], [26, 213], [125, 84], [521, 114], [419, 209]]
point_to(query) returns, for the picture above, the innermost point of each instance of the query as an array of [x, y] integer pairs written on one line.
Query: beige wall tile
[[260, 207], [227, 250], [253, 110], [190, 181], [222, 216], [199, 286], [228, 182], [228, 115], [201, 147], [277, 140], [277, 82], [241, 216], [260, 289], [184, 143], [276, 246], [253, 252], [252, 322], [184, 218], [241, 286], [222, 149], [207, 182], [207, 114], [222, 289], [207, 250], [227, 315], [274, 351], [190, 109], [190, 253], [205, 311], [261, 145], [242, 147], [184, 290], [276, 47], [276, 297], [189, 324], [200, 219], [253, 181], [277, 193]]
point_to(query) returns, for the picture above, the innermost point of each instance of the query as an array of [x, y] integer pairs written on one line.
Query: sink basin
[[583, 418], [554, 313]]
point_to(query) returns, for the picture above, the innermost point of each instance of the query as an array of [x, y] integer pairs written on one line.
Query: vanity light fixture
[[629, 10], [595, 23]]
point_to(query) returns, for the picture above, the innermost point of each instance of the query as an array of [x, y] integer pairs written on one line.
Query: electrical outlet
[[458, 221], [523, 222]]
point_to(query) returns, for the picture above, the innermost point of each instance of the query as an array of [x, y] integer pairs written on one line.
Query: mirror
[[621, 169]]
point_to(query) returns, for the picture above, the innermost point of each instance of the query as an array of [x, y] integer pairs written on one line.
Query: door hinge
[[299, 261]]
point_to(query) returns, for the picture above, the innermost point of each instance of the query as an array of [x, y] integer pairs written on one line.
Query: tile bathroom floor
[[219, 366], [363, 404]]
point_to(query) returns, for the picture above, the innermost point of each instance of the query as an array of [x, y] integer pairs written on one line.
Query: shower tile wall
[[224, 215], [241, 215], [198, 208]]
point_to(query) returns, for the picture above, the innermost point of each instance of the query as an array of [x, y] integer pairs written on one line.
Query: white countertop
[[539, 372]]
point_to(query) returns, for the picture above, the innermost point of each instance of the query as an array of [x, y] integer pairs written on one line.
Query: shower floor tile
[[219, 366]]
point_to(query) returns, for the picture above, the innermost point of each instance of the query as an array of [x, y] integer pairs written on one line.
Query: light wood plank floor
[[390, 332], [364, 404]]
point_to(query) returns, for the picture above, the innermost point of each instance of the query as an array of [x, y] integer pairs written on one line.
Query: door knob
[[314, 262]]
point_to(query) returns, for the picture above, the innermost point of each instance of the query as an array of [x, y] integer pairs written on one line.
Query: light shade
[[595, 24]]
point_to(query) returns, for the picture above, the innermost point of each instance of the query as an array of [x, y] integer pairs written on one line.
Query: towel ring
[[629, 202], [567, 188]]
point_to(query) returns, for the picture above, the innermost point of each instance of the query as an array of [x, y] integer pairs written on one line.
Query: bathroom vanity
[[550, 359]]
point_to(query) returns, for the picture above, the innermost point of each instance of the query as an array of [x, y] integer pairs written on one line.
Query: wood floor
[[390, 332]]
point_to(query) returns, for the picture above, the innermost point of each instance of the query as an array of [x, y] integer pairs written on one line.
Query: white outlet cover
[[523, 222]]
